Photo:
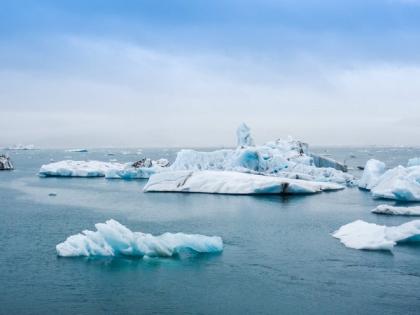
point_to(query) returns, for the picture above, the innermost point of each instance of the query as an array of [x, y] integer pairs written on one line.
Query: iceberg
[[77, 150], [391, 210], [362, 235], [109, 170], [114, 239], [70, 168], [227, 182], [413, 162], [21, 147], [5, 163], [281, 158], [372, 172], [399, 183]]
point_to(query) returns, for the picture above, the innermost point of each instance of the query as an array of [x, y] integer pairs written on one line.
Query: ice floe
[[70, 168], [391, 210], [114, 239], [227, 182], [362, 235], [110, 170], [413, 162]]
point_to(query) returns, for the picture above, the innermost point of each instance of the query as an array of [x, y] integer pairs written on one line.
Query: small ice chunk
[[362, 235], [414, 162], [391, 210], [77, 150], [52, 194], [114, 239]]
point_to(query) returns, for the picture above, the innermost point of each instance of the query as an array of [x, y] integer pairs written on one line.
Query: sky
[[160, 73]]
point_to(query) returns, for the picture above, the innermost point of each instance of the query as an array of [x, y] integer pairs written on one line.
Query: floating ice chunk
[[129, 172], [243, 134], [226, 182], [362, 235], [70, 168], [5, 163], [77, 150], [387, 209], [21, 147], [114, 239], [372, 172], [400, 183], [414, 162]]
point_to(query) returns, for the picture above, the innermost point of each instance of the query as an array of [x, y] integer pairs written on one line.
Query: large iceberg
[[114, 239], [362, 235], [414, 162], [399, 183], [372, 172], [226, 182], [281, 158], [391, 210]]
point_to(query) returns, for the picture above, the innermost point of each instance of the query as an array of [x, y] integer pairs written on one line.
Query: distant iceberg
[[226, 182], [21, 147], [114, 239], [362, 235], [391, 210], [77, 150], [399, 183]]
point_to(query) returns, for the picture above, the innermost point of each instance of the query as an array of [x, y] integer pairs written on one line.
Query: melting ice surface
[[114, 239], [362, 235], [225, 182], [391, 210]]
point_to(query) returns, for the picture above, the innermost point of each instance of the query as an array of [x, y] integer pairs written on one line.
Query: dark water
[[279, 257]]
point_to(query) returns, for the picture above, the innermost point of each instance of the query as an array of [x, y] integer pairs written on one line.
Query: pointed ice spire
[[244, 136]]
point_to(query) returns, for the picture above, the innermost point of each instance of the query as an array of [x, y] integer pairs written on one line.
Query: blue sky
[[186, 73]]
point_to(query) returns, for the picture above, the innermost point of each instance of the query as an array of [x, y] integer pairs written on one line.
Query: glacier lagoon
[[279, 256]]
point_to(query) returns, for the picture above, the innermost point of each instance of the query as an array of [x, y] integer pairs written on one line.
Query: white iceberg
[[372, 172], [413, 162], [70, 168], [21, 147], [362, 235], [399, 183], [77, 150], [391, 210], [110, 170], [282, 158], [114, 239], [226, 182]]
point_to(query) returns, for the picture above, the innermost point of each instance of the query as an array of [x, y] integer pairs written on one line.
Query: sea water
[[278, 258]]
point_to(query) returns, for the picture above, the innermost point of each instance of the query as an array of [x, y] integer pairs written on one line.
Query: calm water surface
[[279, 256]]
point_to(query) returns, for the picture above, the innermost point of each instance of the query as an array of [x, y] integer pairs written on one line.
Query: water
[[279, 256]]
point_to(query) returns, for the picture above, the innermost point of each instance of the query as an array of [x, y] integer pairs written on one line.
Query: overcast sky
[[186, 73]]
